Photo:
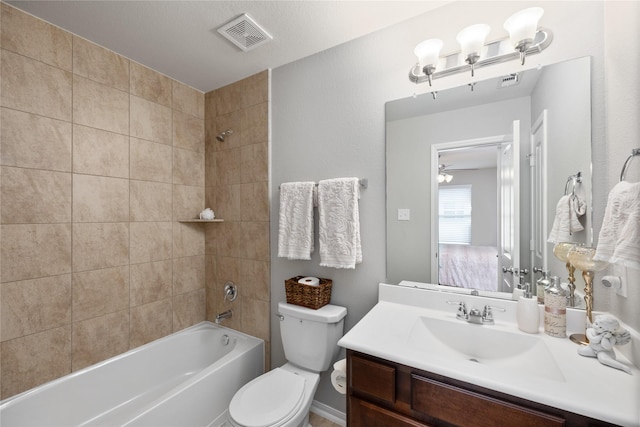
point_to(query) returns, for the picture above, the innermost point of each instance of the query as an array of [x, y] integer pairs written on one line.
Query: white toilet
[[282, 397]]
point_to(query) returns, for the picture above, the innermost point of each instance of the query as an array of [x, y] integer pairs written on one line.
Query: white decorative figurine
[[604, 333], [207, 214]]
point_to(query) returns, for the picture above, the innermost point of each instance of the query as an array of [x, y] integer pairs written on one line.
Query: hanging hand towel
[[295, 234], [619, 239], [339, 223], [565, 223]]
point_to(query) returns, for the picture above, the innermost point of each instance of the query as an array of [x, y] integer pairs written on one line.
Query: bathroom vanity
[[410, 362], [384, 393]]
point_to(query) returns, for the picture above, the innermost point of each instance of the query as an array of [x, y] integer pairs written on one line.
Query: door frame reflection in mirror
[[499, 241]]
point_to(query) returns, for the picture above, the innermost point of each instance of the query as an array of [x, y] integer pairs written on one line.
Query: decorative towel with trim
[[619, 239], [295, 232], [565, 223], [339, 223]]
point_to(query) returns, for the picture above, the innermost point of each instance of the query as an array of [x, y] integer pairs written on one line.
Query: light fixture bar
[[545, 36]]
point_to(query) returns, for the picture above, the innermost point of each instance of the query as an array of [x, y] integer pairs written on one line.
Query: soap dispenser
[[517, 293], [555, 309], [527, 313]]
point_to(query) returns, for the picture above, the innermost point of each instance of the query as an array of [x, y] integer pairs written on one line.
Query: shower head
[[223, 134]]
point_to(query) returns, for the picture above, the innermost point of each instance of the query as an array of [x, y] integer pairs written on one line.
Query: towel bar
[[634, 152], [364, 183]]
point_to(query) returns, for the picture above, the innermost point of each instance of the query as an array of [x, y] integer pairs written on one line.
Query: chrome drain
[[474, 360]]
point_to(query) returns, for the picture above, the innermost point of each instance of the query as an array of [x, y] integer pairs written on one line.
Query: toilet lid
[[268, 400]]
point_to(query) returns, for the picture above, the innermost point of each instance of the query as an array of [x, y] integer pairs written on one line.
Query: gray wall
[[565, 101], [328, 121]]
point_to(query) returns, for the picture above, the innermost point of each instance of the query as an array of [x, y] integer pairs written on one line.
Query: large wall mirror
[[475, 175]]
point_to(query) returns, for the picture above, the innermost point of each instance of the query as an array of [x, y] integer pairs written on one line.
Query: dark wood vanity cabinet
[[381, 393]]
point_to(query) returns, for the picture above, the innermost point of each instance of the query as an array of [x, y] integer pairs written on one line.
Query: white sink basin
[[484, 344]]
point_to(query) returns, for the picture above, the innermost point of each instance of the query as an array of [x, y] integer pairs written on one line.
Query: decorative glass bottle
[[555, 309], [541, 284]]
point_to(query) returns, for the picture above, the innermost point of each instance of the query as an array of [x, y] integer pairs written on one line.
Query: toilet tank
[[310, 337]]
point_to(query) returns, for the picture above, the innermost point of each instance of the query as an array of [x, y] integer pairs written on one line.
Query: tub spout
[[224, 315]]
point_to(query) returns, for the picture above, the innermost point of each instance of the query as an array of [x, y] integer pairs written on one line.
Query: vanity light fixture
[[525, 38], [428, 53], [471, 41], [522, 27]]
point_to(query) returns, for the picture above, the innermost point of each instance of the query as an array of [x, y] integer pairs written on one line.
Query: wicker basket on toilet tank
[[307, 295]]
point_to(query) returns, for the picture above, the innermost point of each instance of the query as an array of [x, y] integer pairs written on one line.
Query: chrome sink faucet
[[487, 314], [484, 317], [475, 316], [462, 313]]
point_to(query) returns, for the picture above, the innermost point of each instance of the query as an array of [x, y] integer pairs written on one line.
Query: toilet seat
[[270, 400]]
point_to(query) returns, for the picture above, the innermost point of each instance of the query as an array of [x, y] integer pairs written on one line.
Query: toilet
[[282, 397]]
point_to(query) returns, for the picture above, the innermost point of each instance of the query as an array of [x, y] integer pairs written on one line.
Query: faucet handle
[[487, 313], [462, 313]]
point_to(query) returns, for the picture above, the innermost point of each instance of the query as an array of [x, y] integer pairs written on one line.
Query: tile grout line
[[72, 225], [129, 263], [173, 219]]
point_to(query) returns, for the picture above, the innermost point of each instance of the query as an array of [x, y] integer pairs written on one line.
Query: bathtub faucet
[[224, 315]]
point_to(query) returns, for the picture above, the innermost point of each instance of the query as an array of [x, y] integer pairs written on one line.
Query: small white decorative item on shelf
[[207, 214], [604, 333]]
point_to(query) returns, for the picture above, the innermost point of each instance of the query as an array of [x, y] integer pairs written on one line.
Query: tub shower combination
[[186, 379]]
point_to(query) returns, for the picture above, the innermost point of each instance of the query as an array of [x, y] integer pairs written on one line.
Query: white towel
[[295, 234], [565, 223], [339, 223], [619, 239]]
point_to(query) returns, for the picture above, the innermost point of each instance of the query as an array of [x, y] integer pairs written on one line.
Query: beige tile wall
[[99, 158], [236, 188]]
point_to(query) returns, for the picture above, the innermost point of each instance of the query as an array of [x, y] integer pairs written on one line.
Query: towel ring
[[634, 152], [575, 180]]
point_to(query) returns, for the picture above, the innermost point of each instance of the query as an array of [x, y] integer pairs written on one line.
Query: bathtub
[[184, 379]]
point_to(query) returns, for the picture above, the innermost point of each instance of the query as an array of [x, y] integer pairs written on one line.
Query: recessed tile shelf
[[201, 220]]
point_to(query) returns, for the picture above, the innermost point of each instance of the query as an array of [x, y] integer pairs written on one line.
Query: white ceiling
[[180, 38]]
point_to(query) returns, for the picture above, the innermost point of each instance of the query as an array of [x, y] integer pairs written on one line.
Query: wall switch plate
[[404, 214]]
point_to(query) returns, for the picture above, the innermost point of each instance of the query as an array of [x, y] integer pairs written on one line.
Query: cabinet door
[[365, 414], [372, 378], [462, 407]]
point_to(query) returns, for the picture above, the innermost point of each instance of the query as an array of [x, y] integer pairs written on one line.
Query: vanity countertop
[[579, 384]]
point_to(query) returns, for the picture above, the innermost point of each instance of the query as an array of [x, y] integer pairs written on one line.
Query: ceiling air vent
[[245, 33], [509, 80]]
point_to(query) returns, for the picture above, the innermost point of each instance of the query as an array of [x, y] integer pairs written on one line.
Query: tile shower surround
[[99, 158], [236, 187]]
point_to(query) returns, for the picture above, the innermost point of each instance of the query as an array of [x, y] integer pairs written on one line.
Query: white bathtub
[[185, 379]]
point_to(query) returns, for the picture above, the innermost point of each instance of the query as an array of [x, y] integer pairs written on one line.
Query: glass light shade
[[581, 257], [428, 52], [561, 250], [472, 39], [444, 177], [523, 25]]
